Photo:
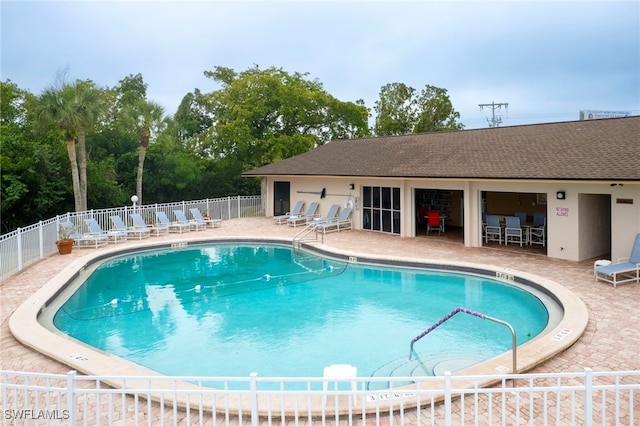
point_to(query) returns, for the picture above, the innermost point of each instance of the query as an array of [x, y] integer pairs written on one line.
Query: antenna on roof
[[494, 121]]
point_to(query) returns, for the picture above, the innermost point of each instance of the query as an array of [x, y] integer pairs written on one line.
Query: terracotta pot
[[64, 246]]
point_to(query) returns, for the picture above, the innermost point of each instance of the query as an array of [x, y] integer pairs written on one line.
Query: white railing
[[589, 398], [31, 243]]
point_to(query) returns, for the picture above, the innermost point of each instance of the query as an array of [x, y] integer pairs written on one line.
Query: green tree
[[395, 110], [262, 116], [191, 118], [143, 116], [72, 108], [436, 112], [400, 110], [32, 184]]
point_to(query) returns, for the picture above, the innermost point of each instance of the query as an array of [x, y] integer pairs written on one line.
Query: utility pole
[[494, 121]]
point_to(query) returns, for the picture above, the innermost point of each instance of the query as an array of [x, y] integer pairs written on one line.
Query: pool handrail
[[476, 314]]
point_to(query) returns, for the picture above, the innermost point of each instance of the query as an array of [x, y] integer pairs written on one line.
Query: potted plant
[[65, 240]]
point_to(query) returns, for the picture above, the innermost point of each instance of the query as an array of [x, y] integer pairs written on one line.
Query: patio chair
[[172, 226], [303, 218], [434, 222], [298, 210], [138, 222], [538, 230], [493, 229], [331, 216], [513, 231], [115, 236], [342, 223], [137, 231], [423, 214], [182, 218], [625, 270], [80, 239], [198, 218]]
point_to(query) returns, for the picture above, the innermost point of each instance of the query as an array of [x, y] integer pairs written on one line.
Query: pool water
[[234, 309]]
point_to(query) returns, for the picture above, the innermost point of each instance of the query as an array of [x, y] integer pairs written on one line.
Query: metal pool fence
[[589, 398], [26, 245]]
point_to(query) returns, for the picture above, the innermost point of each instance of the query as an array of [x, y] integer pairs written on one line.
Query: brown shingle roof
[[581, 150]]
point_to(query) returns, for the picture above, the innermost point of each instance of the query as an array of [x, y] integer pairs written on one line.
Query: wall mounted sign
[[624, 200]]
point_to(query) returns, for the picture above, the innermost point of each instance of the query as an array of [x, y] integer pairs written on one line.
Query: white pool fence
[[583, 398], [31, 243]]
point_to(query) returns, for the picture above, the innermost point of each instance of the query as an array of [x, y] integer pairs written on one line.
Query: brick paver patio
[[611, 340]]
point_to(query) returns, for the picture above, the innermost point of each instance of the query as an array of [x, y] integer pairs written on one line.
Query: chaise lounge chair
[[198, 218], [138, 222], [139, 232], [182, 219], [304, 218], [622, 272], [115, 236], [172, 226], [331, 216], [343, 222], [83, 240], [298, 210]]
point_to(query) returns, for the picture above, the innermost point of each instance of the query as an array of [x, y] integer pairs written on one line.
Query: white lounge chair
[[172, 226], [115, 236], [138, 232], [304, 218], [342, 223], [198, 218], [182, 219], [622, 272], [298, 210], [156, 229], [81, 239]]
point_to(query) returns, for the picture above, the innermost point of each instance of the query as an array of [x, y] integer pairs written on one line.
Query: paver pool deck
[[610, 342]]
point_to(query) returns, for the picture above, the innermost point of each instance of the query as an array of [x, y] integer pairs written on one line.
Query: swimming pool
[[233, 309]]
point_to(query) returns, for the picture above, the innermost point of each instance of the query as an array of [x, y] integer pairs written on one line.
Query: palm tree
[[148, 120], [72, 109]]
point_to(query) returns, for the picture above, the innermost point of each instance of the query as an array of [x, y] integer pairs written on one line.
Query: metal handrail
[[475, 314], [299, 237]]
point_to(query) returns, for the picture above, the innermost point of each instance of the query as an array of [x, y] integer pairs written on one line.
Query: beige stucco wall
[[577, 225]]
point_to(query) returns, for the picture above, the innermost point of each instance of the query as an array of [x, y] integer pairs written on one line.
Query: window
[[381, 209]]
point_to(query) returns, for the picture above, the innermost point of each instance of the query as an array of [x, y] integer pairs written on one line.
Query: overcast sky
[[547, 60]]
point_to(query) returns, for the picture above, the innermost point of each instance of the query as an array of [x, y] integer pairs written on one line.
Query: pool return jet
[[475, 314]]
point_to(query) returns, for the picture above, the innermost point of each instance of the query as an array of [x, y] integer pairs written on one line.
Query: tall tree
[[400, 110], [436, 112], [141, 115], [32, 182], [395, 110], [262, 116], [72, 108]]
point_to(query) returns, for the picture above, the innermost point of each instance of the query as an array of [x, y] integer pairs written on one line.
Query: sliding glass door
[[381, 209]]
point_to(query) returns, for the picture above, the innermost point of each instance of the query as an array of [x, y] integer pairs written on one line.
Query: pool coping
[[27, 329]]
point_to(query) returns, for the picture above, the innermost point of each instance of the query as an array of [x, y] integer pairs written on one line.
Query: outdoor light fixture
[[560, 195], [352, 186], [134, 200]]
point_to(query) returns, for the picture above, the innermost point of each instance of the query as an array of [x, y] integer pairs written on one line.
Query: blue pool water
[[234, 309]]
